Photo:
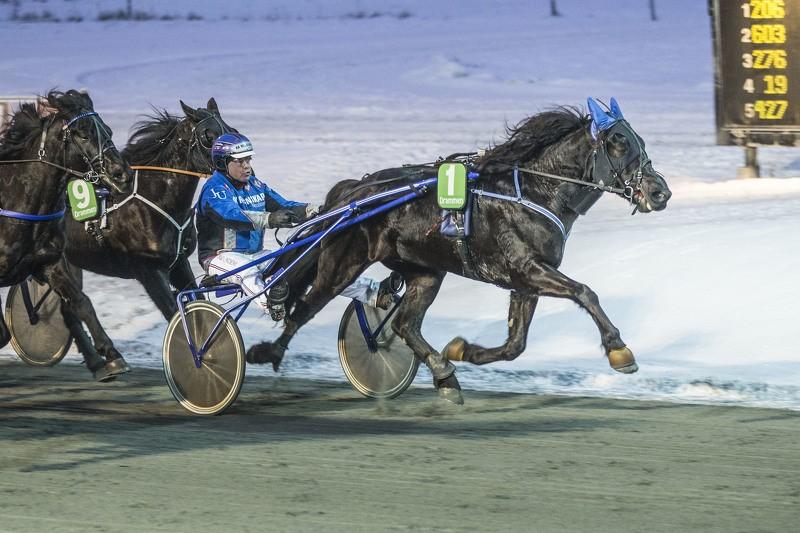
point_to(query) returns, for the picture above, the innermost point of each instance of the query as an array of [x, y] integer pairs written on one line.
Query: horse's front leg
[[520, 314], [547, 281], [155, 281], [337, 267], [181, 276], [59, 277]]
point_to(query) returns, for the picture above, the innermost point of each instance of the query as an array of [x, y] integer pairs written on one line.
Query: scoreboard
[[757, 71]]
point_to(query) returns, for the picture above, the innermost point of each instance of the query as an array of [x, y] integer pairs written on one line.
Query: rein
[[172, 170], [599, 185], [32, 218], [41, 158]]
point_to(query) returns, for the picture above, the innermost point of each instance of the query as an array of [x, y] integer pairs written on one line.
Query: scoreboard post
[[756, 74]]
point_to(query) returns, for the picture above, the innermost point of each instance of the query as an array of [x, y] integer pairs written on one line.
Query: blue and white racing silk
[[227, 238], [223, 224]]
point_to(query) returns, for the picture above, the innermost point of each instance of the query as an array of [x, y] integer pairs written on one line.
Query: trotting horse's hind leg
[[338, 267], [421, 289], [520, 313], [62, 281], [5, 334], [305, 309]]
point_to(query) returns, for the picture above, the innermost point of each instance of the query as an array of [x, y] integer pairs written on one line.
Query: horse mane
[[529, 138], [24, 130], [526, 141], [148, 143]]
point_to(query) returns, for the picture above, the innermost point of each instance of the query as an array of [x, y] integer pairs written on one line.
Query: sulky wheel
[[212, 388], [33, 314], [383, 373]]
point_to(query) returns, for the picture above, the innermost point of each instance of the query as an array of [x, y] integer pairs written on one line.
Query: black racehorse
[[40, 150], [148, 235], [518, 228]]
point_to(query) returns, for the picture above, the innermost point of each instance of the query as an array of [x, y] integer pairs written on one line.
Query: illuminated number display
[[757, 48]]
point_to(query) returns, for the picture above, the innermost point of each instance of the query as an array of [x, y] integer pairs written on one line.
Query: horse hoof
[[449, 389], [261, 354], [454, 351], [111, 370], [451, 395], [622, 360]]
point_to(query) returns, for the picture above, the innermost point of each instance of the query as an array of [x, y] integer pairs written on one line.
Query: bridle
[[605, 173], [195, 138], [602, 173], [104, 143]]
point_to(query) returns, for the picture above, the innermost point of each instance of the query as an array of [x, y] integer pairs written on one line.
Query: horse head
[[202, 126], [620, 159], [87, 140]]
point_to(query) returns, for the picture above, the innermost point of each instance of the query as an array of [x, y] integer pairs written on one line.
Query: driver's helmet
[[230, 146]]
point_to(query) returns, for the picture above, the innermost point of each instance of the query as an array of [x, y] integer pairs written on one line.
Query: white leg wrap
[[365, 290]]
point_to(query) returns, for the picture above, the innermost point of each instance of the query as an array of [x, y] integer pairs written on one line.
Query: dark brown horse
[[519, 226], [39, 151], [149, 235]]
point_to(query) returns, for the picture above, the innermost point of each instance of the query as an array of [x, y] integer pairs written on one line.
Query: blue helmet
[[230, 145]]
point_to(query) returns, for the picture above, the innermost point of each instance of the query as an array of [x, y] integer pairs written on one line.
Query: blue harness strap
[[552, 217], [32, 218]]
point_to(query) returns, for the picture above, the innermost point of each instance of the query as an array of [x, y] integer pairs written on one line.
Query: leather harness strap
[[172, 170]]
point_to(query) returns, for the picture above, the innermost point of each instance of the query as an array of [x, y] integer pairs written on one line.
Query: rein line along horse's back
[[533, 188]]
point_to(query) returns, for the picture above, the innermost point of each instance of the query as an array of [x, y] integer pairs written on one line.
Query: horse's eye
[[618, 145]]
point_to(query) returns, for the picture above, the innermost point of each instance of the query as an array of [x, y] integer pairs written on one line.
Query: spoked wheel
[[383, 373], [38, 332], [213, 387]]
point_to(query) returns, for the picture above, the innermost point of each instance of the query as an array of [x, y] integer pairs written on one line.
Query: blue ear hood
[[600, 119], [615, 110]]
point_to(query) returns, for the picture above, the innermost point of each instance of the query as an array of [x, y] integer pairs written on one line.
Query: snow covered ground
[[704, 292]]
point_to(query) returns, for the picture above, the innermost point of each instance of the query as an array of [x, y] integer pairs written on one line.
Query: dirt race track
[[298, 455]]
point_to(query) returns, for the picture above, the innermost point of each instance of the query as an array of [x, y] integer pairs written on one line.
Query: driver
[[233, 211]]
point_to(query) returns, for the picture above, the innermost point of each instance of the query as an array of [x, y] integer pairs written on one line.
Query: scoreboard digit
[[757, 71]]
